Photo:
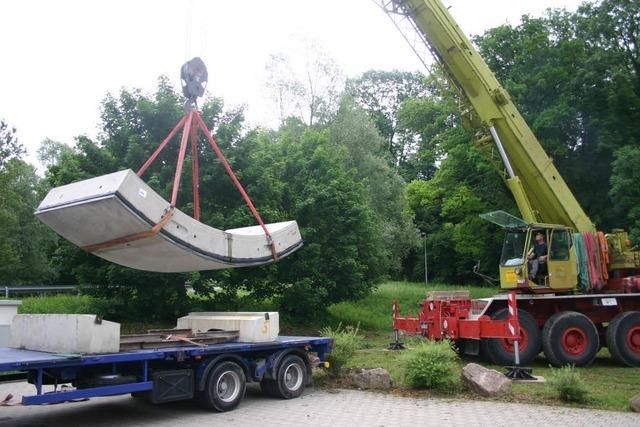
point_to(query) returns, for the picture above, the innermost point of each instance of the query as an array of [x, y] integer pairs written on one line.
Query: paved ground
[[342, 408]]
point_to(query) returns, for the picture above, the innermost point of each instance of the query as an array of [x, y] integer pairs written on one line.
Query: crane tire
[[623, 338], [570, 338], [500, 351]]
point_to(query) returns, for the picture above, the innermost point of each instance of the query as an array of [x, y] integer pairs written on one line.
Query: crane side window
[[560, 244]]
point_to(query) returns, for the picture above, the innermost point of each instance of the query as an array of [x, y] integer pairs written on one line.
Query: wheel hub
[[508, 344], [633, 339], [228, 386], [574, 341], [293, 377]]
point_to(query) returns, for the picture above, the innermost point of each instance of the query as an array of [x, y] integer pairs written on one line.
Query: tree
[[309, 91], [296, 173], [23, 239], [625, 190], [285, 88], [133, 124], [574, 76], [382, 94], [366, 156], [51, 152], [9, 145]]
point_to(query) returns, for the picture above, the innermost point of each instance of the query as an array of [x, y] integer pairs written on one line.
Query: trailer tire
[[225, 387], [570, 338], [623, 338], [500, 351], [291, 378]]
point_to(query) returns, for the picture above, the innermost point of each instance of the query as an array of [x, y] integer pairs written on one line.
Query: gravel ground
[[316, 407]]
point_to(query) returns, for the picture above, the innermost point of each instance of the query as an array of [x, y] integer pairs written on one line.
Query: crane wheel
[[500, 351], [570, 338], [623, 338]]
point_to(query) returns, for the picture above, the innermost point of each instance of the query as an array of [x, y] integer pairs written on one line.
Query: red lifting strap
[[190, 131], [132, 237]]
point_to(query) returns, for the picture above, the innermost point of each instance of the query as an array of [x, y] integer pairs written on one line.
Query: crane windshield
[[513, 248]]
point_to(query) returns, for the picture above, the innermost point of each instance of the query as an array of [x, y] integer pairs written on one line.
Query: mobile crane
[[567, 317]]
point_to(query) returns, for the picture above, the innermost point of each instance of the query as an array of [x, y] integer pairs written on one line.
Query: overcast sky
[[60, 58]]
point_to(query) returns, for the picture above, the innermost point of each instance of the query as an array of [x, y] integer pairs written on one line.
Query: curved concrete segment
[[120, 204]]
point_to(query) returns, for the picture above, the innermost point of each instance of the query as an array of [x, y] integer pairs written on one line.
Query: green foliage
[[432, 365], [568, 384], [385, 188], [23, 239], [382, 94], [62, 304], [346, 341], [446, 209], [9, 146], [346, 206], [625, 190], [577, 83]]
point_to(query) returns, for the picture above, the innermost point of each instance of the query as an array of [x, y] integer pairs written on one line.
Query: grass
[[609, 385], [60, 304], [81, 304]]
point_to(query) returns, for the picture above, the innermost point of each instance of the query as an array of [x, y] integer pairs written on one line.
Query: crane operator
[[537, 256]]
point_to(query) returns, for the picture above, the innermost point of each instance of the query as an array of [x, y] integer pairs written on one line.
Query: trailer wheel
[[290, 381], [225, 387], [623, 338], [570, 338]]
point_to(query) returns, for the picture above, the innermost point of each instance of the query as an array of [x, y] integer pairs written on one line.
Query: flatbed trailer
[[215, 374]]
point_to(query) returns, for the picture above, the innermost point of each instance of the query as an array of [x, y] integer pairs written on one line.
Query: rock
[[486, 382], [634, 403], [377, 378]]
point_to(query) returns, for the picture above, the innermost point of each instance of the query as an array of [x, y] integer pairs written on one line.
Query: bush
[[569, 385], [61, 304], [345, 343], [433, 365]]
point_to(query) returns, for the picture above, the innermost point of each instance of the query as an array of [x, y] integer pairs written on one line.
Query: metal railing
[[9, 290]]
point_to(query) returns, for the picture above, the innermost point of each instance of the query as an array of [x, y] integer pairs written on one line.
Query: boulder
[[634, 403], [486, 382], [377, 378]]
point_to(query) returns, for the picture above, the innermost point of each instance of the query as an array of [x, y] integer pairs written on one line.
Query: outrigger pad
[[120, 204]]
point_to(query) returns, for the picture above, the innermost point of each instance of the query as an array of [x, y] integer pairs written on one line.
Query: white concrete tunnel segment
[[119, 204]]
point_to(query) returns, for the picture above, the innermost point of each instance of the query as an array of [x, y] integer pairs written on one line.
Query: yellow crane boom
[[540, 192]]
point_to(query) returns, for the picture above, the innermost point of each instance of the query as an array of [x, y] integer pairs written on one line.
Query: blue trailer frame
[[258, 360]]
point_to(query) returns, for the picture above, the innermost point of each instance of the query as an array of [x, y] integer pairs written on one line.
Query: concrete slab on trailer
[[119, 204], [252, 326], [65, 333]]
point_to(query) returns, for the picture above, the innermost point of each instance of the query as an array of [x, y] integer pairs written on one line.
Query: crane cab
[[524, 243]]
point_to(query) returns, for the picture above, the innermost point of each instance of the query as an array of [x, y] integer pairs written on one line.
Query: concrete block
[[120, 204], [8, 309], [5, 335], [65, 333], [252, 326]]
